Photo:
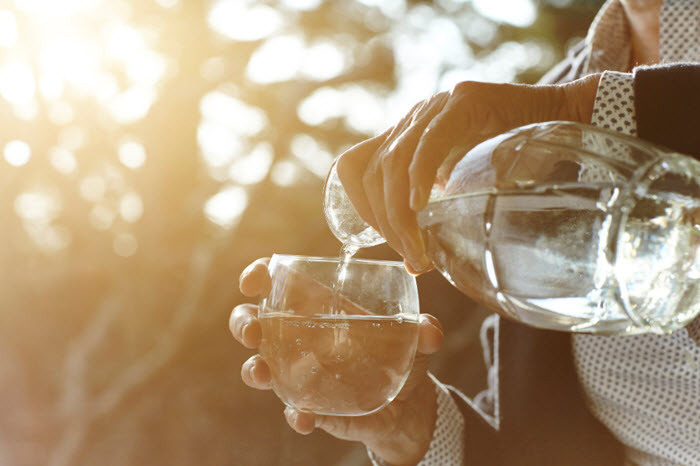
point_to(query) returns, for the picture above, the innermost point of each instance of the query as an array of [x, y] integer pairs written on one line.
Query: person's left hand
[[400, 432], [389, 178]]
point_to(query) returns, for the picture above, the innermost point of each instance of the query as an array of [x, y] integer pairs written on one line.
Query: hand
[[400, 433], [389, 178]]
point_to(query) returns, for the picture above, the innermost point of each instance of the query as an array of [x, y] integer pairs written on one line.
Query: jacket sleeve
[[667, 106]]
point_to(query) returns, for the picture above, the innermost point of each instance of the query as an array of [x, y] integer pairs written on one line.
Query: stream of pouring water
[[346, 252]]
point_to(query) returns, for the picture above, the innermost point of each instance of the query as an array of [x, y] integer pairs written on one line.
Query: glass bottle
[[562, 226]]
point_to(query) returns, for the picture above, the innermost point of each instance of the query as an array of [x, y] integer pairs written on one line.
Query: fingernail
[[421, 264], [251, 370]]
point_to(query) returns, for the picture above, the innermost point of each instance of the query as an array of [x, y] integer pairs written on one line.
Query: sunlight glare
[[51, 86], [226, 207], [17, 153], [17, 82], [253, 167], [312, 156], [213, 69], [285, 173], [62, 160], [278, 59], [218, 144], [60, 113], [57, 8], [131, 207], [146, 67], [101, 217], [323, 60], [73, 59], [8, 28], [242, 20], [93, 188], [167, 3], [282, 58], [37, 206], [394, 9], [72, 137], [221, 108], [303, 5], [521, 13], [361, 109], [125, 244], [132, 104], [132, 154], [49, 238]]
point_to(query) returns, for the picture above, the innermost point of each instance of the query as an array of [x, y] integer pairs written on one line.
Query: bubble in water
[[399, 319], [298, 341], [337, 376], [314, 370]]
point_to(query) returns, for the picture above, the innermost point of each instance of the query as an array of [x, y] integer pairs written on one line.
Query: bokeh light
[[17, 153], [226, 207], [150, 150]]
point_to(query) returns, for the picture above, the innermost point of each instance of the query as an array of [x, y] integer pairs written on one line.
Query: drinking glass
[[339, 336]]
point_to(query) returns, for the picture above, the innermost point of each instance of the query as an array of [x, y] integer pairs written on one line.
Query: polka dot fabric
[[614, 103], [646, 390], [679, 40]]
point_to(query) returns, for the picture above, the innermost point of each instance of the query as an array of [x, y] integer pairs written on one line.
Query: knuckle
[[463, 87]]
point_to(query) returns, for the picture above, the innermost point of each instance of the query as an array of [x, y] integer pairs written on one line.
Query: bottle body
[[568, 227], [552, 258]]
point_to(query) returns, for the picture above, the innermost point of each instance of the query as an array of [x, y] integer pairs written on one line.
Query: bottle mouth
[[342, 218]]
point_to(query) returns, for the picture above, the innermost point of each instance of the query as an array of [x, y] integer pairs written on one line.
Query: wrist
[[408, 438], [579, 97]]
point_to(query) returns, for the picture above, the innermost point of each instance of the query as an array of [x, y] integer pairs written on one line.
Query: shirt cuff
[[614, 103], [447, 445]]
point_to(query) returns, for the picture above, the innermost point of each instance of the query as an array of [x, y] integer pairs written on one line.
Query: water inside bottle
[[573, 258]]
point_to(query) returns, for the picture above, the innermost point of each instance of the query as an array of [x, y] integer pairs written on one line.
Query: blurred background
[[151, 149]]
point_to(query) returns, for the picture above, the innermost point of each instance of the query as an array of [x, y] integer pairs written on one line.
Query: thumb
[[430, 334], [342, 427]]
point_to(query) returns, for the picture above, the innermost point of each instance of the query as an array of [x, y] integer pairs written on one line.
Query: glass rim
[[300, 258]]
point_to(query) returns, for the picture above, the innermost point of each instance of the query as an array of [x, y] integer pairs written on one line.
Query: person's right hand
[[400, 433], [389, 178]]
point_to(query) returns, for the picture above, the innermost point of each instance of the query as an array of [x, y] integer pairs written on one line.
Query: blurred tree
[[150, 150]]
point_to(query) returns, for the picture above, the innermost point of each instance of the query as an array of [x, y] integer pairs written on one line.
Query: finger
[[439, 139], [374, 185], [351, 166], [256, 373], [345, 428], [401, 218], [433, 148], [412, 271], [245, 326], [301, 421], [430, 334], [255, 279]]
